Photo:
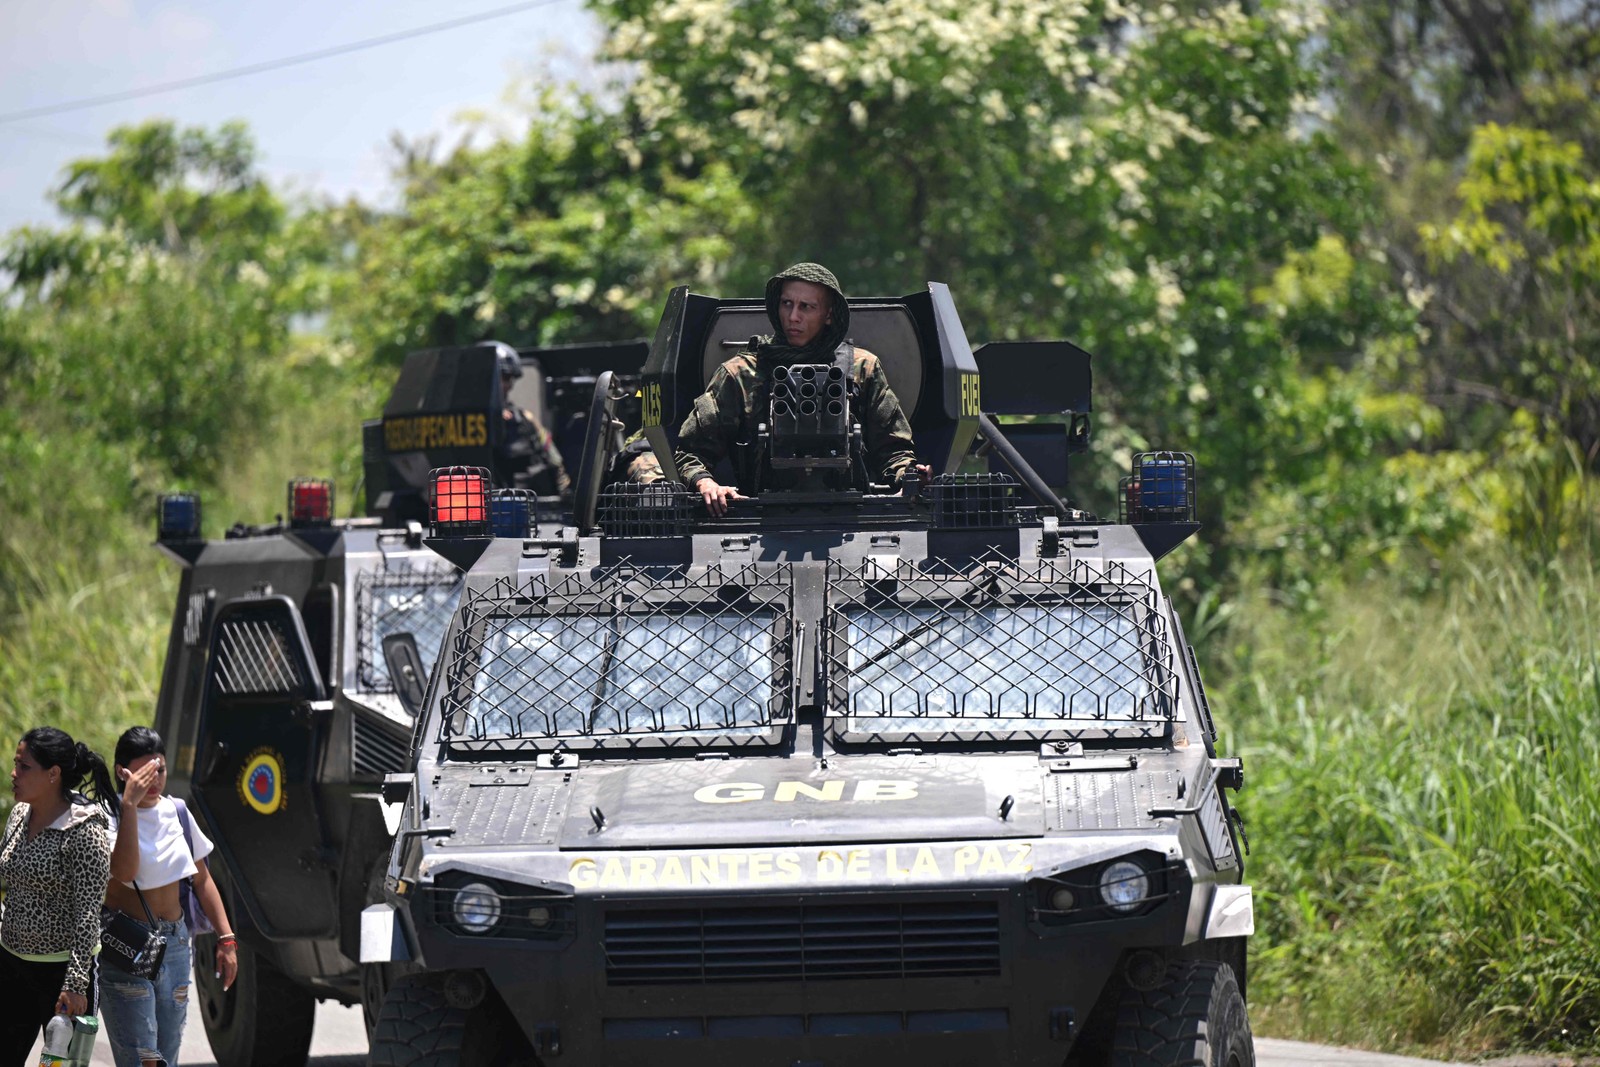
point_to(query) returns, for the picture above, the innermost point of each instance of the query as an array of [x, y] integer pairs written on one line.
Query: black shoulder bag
[[130, 945]]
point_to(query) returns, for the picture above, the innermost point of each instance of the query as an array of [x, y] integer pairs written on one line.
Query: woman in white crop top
[[156, 848]]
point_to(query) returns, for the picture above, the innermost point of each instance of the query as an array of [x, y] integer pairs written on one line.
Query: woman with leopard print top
[[55, 857]]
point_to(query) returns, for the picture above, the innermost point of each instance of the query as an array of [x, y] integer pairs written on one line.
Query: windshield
[[623, 656], [418, 602], [579, 676], [1024, 667]]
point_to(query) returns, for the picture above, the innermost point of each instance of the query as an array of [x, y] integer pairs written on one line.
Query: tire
[[418, 1027], [265, 1020], [1195, 1018], [376, 979]]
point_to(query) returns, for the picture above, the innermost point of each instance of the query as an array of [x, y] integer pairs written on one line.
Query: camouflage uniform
[[736, 400], [641, 467]]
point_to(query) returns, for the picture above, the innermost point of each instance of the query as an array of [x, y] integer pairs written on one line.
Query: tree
[[573, 233], [1127, 175], [1521, 263], [162, 311], [1480, 116]]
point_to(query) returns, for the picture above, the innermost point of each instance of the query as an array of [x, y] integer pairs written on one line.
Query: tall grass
[[1425, 802], [86, 601]]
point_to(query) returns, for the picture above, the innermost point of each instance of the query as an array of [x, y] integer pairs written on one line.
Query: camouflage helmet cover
[[837, 328]]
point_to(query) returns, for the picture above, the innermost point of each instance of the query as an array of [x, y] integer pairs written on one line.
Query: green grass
[[1424, 797], [85, 598]]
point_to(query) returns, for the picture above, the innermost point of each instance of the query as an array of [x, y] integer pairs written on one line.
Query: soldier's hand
[[716, 496]]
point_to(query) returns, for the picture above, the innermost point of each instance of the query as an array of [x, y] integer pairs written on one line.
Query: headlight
[[1063, 899], [1124, 885], [476, 908]]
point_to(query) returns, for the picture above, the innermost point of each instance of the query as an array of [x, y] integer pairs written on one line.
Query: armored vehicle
[[279, 706], [855, 774]]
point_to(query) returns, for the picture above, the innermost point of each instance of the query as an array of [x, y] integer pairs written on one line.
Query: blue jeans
[[142, 1019]]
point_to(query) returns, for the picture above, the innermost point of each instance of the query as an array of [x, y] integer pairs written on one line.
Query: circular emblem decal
[[261, 781]]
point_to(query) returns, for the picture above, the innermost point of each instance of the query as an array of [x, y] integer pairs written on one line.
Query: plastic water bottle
[[57, 1041]]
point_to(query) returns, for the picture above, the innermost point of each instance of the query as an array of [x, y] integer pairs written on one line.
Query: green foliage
[[1136, 177], [1493, 104], [140, 347], [166, 186], [572, 234], [1527, 241], [165, 311], [1423, 797]]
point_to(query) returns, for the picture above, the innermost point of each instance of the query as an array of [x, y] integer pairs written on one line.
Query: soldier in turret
[[811, 321]]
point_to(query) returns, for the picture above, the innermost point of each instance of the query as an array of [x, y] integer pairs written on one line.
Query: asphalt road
[[341, 1041]]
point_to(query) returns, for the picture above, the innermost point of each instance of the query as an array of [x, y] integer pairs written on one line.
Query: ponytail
[[102, 787], [53, 747]]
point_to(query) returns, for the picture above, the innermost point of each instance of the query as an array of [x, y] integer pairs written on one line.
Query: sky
[[321, 127]]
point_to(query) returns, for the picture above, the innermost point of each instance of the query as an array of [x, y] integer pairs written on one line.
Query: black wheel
[[265, 1020], [1195, 1018], [376, 978], [419, 1027]]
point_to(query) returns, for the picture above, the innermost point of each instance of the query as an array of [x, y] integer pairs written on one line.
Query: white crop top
[[163, 854]]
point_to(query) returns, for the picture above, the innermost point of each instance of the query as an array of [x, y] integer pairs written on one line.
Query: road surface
[[341, 1041]]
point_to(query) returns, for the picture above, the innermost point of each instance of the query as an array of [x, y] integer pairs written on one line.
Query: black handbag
[[130, 945]]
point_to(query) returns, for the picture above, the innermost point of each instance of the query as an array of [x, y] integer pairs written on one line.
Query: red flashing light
[[310, 502], [461, 500]]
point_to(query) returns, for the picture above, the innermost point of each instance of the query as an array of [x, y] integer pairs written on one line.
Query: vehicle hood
[[686, 803]]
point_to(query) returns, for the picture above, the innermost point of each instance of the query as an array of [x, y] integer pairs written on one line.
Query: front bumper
[[830, 975]]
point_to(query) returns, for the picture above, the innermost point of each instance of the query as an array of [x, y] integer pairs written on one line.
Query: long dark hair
[[138, 741], [53, 747]]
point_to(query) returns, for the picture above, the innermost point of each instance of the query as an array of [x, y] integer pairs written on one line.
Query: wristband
[[227, 939]]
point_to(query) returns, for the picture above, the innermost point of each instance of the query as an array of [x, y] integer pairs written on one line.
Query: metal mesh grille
[[803, 943], [414, 600], [974, 500], [622, 654], [253, 657], [373, 750], [658, 509], [997, 649]]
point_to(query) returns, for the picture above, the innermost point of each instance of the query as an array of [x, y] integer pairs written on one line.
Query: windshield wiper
[[608, 658], [937, 624]]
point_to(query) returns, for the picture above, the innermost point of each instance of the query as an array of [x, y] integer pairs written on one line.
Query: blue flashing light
[[1161, 488], [178, 517], [511, 512], [1163, 483]]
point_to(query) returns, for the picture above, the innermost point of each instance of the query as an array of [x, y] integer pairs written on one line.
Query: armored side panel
[[262, 738], [277, 706], [1049, 380], [444, 411]]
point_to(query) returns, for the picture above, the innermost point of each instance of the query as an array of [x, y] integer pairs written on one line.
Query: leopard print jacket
[[54, 886]]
